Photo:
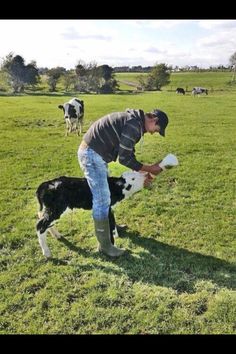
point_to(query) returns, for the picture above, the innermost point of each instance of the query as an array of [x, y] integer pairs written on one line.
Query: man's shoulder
[[115, 115]]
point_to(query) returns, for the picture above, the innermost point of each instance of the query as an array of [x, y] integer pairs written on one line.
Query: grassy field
[[213, 81], [179, 274]]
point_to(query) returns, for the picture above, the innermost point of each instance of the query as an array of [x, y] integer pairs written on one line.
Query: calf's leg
[[80, 127], [53, 231], [112, 223], [43, 243], [42, 228], [115, 229]]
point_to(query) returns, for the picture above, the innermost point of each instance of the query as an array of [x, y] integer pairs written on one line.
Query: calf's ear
[[60, 106]]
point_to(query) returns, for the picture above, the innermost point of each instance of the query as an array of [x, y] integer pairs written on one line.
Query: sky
[[53, 43]]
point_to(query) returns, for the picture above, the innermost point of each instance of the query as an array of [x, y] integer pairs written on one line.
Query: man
[[110, 137]]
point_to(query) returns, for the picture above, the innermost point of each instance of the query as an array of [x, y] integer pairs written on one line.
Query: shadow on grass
[[164, 265], [129, 92], [74, 248], [64, 93], [85, 254], [41, 93], [175, 267], [53, 94], [33, 94]]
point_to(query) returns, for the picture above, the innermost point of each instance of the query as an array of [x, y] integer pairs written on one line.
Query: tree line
[[86, 77]]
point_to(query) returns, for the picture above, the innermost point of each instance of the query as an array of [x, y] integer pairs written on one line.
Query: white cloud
[[158, 24], [120, 42], [217, 24]]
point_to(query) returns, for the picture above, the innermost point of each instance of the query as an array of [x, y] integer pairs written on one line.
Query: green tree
[[92, 77], [80, 68], [108, 83], [142, 82], [106, 72], [158, 77], [84, 73], [53, 76], [32, 74], [18, 73], [69, 79]]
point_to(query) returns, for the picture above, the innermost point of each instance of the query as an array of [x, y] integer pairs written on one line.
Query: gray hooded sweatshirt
[[115, 135]]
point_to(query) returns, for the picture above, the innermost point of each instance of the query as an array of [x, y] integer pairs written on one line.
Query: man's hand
[[148, 180], [152, 169], [168, 162]]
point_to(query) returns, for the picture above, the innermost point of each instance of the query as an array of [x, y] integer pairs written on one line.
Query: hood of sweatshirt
[[138, 114]]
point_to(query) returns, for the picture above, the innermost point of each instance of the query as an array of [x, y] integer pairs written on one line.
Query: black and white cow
[[180, 90], [73, 114], [56, 195], [199, 91]]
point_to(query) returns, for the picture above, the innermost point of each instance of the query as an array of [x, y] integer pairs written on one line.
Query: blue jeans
[[96, 172]]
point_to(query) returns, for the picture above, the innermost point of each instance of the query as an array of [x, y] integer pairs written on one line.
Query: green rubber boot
[[102, 231]]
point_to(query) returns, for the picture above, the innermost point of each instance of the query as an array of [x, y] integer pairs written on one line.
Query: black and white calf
[[56, 195], [73, 114], [199, 91], [180, 90]]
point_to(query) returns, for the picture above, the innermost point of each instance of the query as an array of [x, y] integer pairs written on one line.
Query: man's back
[[116, 133]]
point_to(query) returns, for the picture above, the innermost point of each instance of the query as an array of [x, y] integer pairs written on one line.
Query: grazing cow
[[73, 114], [56, 195], [180, 90], [199, 91]]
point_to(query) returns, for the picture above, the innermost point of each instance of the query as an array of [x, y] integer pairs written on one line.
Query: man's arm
[[130, 135], [168, 162]]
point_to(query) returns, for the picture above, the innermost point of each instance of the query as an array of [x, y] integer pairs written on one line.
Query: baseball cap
[[162, 120]]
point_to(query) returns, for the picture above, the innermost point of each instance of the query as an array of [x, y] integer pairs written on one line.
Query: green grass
[[179, 274], [213, 81]]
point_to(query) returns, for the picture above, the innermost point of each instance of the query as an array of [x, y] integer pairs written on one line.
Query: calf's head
[[69, 110], [134, 182]]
